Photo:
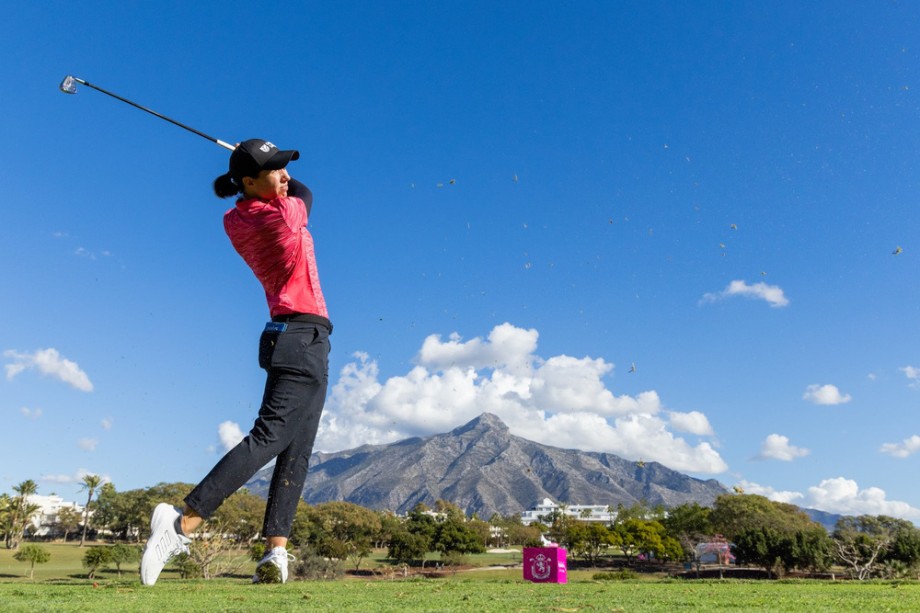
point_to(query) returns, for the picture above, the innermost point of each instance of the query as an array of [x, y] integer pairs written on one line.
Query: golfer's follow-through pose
[[268, 229]]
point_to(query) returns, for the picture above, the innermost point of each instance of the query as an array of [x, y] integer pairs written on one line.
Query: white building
[[46, 516], [585, 512]]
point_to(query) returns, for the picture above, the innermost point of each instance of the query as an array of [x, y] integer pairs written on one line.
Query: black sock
[[179, 525]]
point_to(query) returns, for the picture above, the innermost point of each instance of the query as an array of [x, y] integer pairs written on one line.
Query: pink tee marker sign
[[545, 564]]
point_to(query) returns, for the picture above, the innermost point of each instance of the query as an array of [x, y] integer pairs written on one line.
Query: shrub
[[188, 568], [620, 575], [312, 566], [453, 558]]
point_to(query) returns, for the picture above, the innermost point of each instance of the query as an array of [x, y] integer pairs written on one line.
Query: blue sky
[[515, 207]]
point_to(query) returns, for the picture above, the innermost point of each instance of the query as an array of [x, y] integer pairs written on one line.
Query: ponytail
[[225, 187]]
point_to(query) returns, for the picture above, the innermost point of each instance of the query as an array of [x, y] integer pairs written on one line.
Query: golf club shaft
[[152, 112]]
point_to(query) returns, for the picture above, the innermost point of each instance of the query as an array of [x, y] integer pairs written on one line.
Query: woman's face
[[268, 185]]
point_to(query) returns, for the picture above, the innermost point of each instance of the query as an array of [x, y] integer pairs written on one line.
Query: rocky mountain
[[484, 469], [828, 520]]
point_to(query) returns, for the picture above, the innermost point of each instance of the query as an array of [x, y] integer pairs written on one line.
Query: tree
[[516, 533], [6, 517], [122, 553], [559, 521], [448, 509], [128, 512], [905, 545], [764, 547], [342, 530], [34, 554], [389, 524], [406, 547], [420, 521], [172, 493], [20, 512], [482, 528], [636, 536], [589, 540], [689, 524], [301, 526], [812, 549], [733, 514], [639, 510], [67, 520], [456, 535], [96, 558], [90, 483], [862, 542], [242, 514], [105, 509]]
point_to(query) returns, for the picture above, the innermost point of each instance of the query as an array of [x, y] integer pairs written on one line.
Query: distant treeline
[[741, 529]]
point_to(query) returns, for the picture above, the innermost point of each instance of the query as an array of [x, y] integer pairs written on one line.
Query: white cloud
[[77, 477], [106, 423], [693, 422], [772, 294], [908, 446], [87, 444], [912, 374], [58, 479], [229, 434], [31, 413], [48, 362], [840, 495], [825, 394], [770, 493], [561, 401], [507, 345], [777, 447]]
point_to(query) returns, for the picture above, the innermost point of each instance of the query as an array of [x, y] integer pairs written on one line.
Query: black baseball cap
[[254, 155]]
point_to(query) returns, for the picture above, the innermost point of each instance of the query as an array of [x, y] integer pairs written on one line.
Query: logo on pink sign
[[540, 567]]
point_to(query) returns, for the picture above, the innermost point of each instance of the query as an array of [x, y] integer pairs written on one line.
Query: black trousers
[[297, 362]]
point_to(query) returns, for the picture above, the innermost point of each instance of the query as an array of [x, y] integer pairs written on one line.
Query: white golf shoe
[[164, 543], [279, 557]]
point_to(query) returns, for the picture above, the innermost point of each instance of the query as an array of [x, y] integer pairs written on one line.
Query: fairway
[[461, 594], [61, 585]]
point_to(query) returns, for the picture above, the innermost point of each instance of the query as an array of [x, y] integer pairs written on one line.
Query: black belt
[[304, 318]]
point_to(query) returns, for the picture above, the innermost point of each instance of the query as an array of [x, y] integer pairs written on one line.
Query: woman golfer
[[268, 229]]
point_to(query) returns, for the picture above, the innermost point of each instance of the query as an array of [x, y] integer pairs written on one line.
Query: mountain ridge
[[484, 469]]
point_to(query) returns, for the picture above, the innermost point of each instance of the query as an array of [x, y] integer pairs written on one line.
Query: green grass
[[66, 560], [461, 594], [61, 585]]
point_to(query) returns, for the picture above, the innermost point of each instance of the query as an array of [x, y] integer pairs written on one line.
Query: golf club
[[69, 86]]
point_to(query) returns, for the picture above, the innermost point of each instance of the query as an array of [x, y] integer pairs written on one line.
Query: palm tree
[[6, 517], [90, 483], [21, 512]]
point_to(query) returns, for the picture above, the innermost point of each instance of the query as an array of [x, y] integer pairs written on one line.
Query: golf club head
[[69, 85]]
